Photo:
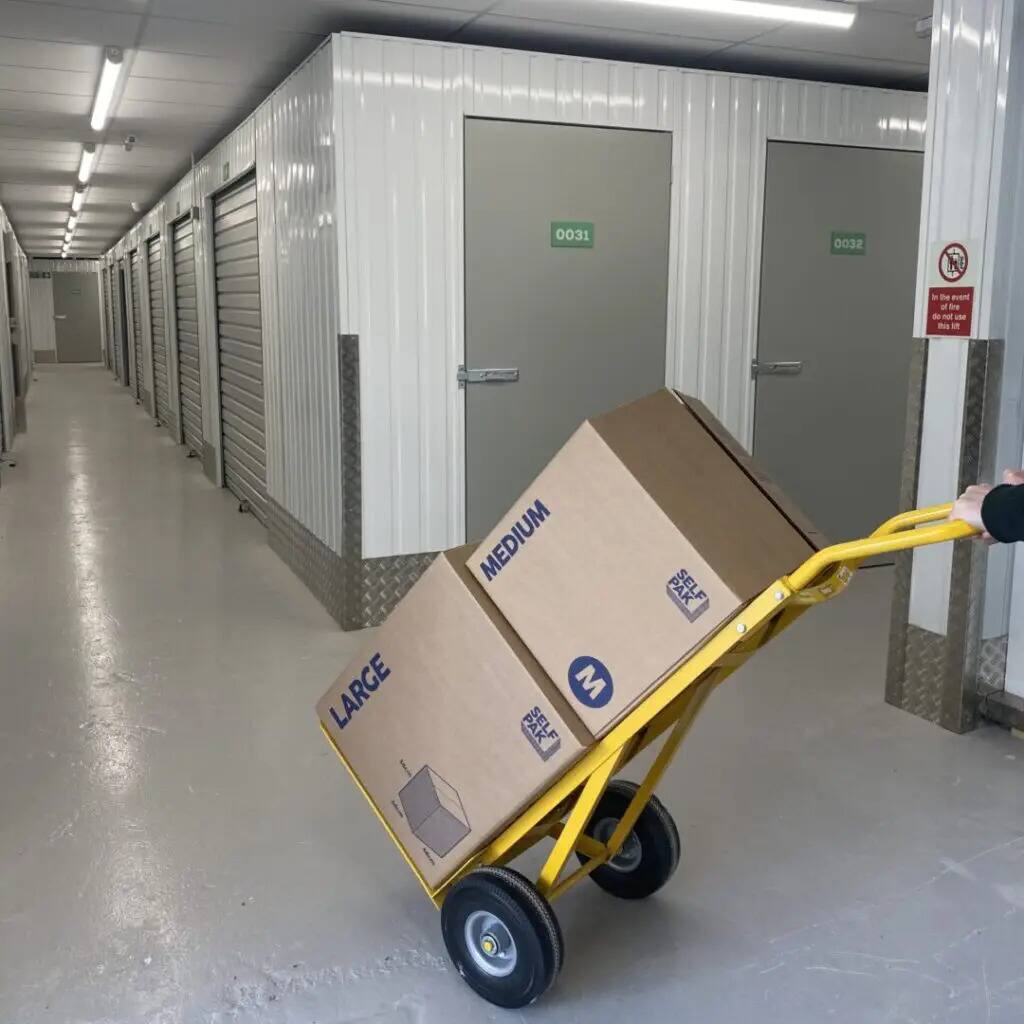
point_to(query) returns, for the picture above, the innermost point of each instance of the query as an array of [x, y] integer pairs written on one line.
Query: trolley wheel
[[502, 936], [650, 854]]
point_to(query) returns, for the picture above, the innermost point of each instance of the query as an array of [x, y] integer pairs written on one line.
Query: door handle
[[491, 375], [60, 316], [777, 369]]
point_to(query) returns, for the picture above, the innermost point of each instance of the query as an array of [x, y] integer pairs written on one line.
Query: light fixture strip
[[814, 12], [86, 164], [113, 62], [77, 199]]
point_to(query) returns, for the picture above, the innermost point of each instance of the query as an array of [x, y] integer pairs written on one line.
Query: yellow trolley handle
[[901, 533]]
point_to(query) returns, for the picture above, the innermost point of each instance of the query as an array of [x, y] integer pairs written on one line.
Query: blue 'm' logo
[[590, 682]]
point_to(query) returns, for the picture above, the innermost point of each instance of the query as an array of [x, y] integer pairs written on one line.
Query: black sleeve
[[1002, 512]]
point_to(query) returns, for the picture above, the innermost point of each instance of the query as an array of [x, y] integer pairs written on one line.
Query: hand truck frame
[[498, 926]]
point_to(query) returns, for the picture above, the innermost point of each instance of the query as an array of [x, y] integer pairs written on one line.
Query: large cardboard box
[[641, 537], [447, 720]]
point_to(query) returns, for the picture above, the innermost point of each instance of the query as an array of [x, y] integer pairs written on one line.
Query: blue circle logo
[[590, 682]]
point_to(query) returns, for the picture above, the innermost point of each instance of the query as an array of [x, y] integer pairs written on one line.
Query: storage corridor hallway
[[179, 844]]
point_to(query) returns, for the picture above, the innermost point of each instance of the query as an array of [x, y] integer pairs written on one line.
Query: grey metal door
[[567, 232], [240, 344], [140, 390], [187, 321], [76, 315], [837, 298], [158, 333]]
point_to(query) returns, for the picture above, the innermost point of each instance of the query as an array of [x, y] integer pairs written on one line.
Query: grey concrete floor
[[178, 845]]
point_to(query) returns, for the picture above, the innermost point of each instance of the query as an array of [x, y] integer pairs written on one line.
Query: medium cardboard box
[[637, 541], [447, 721]]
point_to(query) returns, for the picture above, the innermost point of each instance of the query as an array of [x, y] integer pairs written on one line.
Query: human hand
[[968, 507], [1013, 477]]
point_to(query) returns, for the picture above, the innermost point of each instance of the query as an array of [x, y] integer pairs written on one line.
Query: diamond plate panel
[[357, 592], [938, 677], [992, 665], [898, 638]]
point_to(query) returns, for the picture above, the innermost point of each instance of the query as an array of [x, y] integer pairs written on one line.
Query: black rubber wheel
[[502, 937], [650, 854]]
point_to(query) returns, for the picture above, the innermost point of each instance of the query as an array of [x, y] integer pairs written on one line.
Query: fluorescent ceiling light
[[72, 222], [88, 159], [77, 199], [829, 15], [113, 61]]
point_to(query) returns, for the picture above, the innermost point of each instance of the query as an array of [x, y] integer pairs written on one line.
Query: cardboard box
[[638, 540], [447, 720]]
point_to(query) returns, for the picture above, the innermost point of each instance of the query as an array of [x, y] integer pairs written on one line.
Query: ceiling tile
[[182, 91], [241, 41], [916, 8], [23, 19], [174, 111], [765, 60], [520, 33], [110, 6], [47, 102], [571, 14], [70, 83], [874, 34], [31, 53], [214, 70]]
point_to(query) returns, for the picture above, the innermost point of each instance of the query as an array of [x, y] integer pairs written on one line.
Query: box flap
[[779, 499], [712, 500]]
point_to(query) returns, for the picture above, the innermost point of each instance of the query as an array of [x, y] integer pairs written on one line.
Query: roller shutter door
[[187, 320], [159, 335], [137, 322], [240, 344], [108, 319], [119, 328]]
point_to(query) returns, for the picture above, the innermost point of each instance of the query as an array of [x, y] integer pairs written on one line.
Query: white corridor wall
[[401, 105]]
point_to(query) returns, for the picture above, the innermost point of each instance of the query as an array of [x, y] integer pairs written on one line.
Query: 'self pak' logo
[[541, 733], [590, 682], [688, 595]]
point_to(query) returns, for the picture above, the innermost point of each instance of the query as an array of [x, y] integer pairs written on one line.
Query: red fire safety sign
[[950, 297]]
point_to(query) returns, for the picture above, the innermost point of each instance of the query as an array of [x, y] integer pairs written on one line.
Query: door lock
[[492, 375], [783, 369]]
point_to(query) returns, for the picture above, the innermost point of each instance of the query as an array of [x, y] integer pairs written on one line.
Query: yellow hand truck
[[498, 927]]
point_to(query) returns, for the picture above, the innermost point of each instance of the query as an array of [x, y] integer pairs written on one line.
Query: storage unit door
[[140, 391], [240, 344], [187, 320], [838, 266], [117, 298], [108, 325], [158, 333]]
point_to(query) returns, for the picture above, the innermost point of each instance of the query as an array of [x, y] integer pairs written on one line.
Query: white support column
[[969, 302]]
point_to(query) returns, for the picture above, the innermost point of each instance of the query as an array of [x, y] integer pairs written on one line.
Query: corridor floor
[[178, 845]]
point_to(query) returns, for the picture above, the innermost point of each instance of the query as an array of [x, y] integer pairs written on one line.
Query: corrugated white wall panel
[[402, 105], [298, 232], [181, 198]]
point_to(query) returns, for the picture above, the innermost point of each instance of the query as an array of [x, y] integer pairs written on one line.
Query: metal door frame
[[209, 317]]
